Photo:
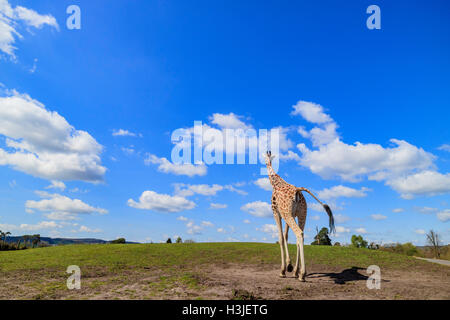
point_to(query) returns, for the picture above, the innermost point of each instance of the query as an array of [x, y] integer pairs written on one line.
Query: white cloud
[[445, 147], [39, 226], [378, 216], [421, 183], [320, 136], [258, 209], [193, 229], [353, 162], [426, 210], [11, 18], [89, 230], [264, 183], [181, 218], [125, 133], [407, 169], [151, 200], [59, 207], [246, 221], [398, 210], [444, 215], [228, 121], [342, 191], [270, 229], [290, 155], [186, 169], [339, 218], [216, 206], [420, 231], [340, 229], [30, 227], [44, 144], [316, 217], [128, 150], [186, 190], [311, 112], [207, 224], [316, 206], [229, 187], [221, 230], [361, 230], [56, 185]]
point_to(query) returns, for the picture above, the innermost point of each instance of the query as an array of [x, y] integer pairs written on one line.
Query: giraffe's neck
[[275, 179]]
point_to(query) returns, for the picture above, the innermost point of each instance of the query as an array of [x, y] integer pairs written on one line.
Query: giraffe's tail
[[331, 218], [326, 207]]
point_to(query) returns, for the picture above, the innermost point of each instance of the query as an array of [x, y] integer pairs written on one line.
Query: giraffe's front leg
[[281, 241]]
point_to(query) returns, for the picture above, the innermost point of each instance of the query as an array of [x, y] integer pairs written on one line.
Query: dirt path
[[238, 281], [439, 261], [321, 283]]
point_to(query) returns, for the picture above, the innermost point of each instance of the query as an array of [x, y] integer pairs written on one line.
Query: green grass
[[168, 256]]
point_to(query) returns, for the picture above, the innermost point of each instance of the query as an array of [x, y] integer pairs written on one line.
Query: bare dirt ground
[[227, 281]]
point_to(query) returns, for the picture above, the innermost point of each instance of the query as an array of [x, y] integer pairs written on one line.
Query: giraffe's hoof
[[290, 267], [301, 279], [282, 275]]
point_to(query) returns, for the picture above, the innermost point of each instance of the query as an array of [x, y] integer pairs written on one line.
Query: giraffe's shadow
[[342, 277]]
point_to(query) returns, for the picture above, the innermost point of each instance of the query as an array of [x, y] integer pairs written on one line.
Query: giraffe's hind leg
[[288, 259], [297, 262], [277, 217]]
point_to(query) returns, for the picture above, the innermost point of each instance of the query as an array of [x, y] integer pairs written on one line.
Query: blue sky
[[86, 116]]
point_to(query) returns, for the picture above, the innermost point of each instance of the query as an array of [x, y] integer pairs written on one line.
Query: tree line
[[24, 242], [322, 238]]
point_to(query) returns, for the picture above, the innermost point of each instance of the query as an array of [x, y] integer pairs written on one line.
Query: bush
[[358, 241], [120, 240], [337, 244], [10, 246], [373, 246], [407, 249]]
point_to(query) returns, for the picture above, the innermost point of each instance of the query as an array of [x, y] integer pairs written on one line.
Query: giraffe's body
[[289, 203]]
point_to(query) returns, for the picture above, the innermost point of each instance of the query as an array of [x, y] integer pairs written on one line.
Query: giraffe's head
[[269, 158]]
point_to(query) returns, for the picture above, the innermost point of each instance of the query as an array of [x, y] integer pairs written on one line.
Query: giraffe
[[289, 203]]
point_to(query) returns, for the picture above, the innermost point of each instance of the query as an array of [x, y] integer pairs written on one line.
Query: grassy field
[[199, 270]]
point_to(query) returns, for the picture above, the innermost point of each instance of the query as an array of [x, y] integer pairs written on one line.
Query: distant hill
[[61, 241]]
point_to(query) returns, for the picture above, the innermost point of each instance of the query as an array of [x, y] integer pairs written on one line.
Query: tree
[[6, 234], [337, 244], [358, 241], [179, 240], [25, 238], [36, 238], [169, 240], [434, 242], [322, 238]]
